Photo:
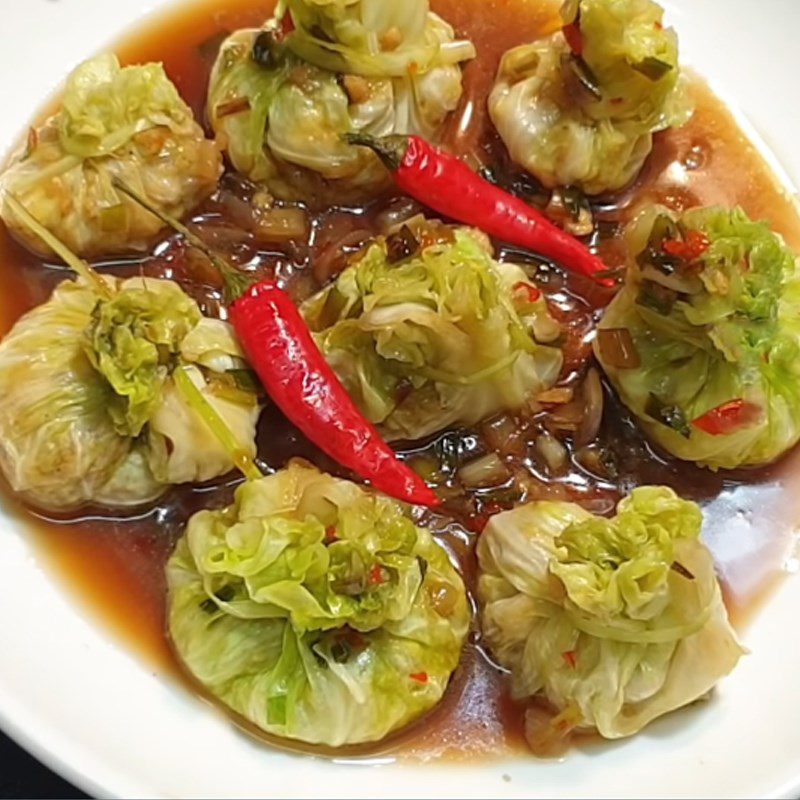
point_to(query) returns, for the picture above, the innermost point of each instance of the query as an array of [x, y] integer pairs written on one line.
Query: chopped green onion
[[196, 401], [652, 68], [233, 394], [676, 566], [59, 248], [671, 416], [236, 284], [276, 710], [657, 297]]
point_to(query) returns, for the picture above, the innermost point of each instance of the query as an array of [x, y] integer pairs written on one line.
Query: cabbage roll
[[90, 411], [709, 319], [281, 104], [579, 108], [427, 330], [614, 622], [316, 609], [113, 122]]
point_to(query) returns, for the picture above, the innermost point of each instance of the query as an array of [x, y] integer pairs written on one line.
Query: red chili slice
[[376, 575], [287, 25], [728, 417], [689, 249], [572, 33], [531, 293], [419, 677]]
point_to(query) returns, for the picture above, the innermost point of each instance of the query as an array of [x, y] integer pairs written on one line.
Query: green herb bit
[[236, 283], [663, 262], [208, 606], [671, 416], [225, 593], [245, 380], [657, 297]]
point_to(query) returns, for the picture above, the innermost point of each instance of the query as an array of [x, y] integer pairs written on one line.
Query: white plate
[[82, 703]]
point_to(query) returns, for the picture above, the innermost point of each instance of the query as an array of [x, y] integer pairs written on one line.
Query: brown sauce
[[115, 565]]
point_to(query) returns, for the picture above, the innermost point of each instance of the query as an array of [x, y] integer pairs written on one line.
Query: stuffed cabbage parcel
[[579, 108], [613, 621], [316, 609], [91, 412], [709, 322], [426, 332], [128, 123], [346, 66]]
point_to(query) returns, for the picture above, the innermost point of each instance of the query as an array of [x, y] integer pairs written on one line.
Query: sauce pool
[[115, 564]]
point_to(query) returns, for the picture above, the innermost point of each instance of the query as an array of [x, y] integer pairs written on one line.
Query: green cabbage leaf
[[131, 341], [316, 609], [90, 412], [436, 339], [372, 38], [614, 621], [104, 106], [119, 122], [282, 111], [596, 139], [717, 329]]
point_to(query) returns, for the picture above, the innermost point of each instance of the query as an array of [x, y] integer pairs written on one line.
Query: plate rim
[[21, 725]]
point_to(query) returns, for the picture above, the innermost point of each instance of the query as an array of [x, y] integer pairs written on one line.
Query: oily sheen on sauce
[[115, 565]]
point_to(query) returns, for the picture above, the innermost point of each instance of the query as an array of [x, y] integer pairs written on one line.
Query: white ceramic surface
[[81, 702]]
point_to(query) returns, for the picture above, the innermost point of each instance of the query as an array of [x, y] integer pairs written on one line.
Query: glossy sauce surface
[[115, 565]]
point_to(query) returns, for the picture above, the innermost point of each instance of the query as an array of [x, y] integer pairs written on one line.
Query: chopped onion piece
[[592, 409], [558, 394], [282, 225], [489, 470], [552, 451], [502, 434]]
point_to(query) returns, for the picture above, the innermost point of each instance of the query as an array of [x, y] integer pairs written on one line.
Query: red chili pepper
[[286, 25], [376, 575], [532, 294], [297, 377], [479, 521], [301, 383], [689, 249], [728, 417], [448, 186], [419, 677], [572, 33], [571, 657], [330, 534], [353, 638]]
